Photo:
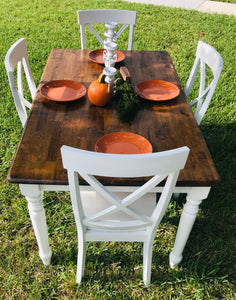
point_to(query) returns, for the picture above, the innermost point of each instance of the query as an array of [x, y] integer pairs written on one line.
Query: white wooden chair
[[93, 16], [205, 55], [135, 224], [16, 57]]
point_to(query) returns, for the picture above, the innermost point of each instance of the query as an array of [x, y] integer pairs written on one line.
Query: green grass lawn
[[114, 271], [228, 1]]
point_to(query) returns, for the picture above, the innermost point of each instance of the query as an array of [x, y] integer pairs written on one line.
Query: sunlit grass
[[114, 270], [228, 1]]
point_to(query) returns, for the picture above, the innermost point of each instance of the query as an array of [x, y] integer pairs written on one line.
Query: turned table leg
[[34, 196], [188, 216]]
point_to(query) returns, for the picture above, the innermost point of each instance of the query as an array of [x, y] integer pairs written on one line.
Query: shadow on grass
[[210, 249]]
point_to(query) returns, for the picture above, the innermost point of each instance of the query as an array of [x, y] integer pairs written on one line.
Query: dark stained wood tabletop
[[167, 125]]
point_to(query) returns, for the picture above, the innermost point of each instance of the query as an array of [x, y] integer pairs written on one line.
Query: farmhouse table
[[37, 164]]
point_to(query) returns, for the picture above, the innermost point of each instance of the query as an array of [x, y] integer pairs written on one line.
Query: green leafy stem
[[126, 101]]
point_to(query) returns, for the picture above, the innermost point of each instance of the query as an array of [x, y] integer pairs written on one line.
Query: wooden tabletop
[[80, 124]]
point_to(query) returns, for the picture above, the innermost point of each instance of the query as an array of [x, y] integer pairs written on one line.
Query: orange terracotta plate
[[123, 143], [63, 90], [157, 90], [97, 56]]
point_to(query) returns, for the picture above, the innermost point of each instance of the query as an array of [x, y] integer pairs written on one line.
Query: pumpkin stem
[[101, 78]]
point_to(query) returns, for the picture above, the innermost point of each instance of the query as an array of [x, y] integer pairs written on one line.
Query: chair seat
[[93, 202], [117, 236]]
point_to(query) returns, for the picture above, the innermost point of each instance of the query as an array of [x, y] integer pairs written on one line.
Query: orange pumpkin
[[98, 92]]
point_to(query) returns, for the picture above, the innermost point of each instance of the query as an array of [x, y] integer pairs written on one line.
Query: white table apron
[[34, 196]]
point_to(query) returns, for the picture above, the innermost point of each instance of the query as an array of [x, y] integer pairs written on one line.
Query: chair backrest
[[16, 57], [205, 55], [93, 16], [158, 166]]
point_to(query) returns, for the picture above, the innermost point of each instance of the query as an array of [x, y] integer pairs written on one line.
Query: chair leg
[[82, 247], [147, 261]]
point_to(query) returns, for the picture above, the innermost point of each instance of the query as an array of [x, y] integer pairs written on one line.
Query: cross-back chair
[[135, 225], [206, 55], [94, 16], [16, 57]]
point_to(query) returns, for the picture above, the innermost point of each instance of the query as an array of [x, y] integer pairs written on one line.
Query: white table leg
[[188, 216], [34, 196]]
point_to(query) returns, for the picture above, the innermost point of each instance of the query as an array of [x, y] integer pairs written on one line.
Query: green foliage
[[114, 270], [126, 100]]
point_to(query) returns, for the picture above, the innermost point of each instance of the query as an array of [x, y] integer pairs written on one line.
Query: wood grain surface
[[80, 124]]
